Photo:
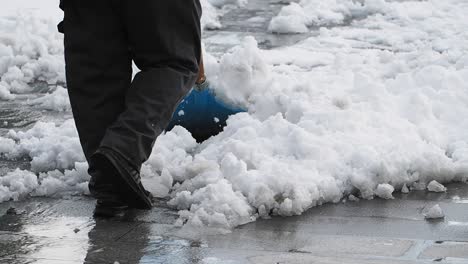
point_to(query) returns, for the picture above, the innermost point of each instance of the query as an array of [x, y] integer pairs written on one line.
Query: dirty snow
[[362, 109]]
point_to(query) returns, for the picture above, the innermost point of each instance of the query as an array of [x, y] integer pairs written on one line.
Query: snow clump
[[17, 184], [58, 101], [434, 212], [434, 186], [49, 146], [405, 189], [385, 191], [31, 50]]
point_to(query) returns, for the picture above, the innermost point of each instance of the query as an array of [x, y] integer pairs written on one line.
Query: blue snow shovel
[[201, 112]]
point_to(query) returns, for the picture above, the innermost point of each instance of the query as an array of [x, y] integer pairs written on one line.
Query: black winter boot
[[126, 179]]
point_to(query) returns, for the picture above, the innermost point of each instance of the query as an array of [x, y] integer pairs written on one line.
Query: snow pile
[[58, 165], [434, 212], [7, 145], [297, 17], [240, 73], [291, 19], [31, 50], [67, 182], [214, 9], [58, 100], [359, 110], [17, 184], [49, 146]]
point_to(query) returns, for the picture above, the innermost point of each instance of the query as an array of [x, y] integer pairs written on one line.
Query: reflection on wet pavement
[[378, 231]]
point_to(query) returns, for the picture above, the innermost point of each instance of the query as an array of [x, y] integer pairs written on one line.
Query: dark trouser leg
[[98, 67], [165, 43]]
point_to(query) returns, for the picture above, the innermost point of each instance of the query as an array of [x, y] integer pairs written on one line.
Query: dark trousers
[[102, 38]]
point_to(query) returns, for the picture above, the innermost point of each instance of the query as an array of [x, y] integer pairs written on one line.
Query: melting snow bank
[[31, 50], [296, 17], [362, 110], [20, 184], [356, 112], [58, 165], [48, 146]]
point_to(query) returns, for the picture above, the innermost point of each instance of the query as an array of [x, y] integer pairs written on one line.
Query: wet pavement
[[377, 231]]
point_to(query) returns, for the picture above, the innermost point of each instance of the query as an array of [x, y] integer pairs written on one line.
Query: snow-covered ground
[[375, 103]]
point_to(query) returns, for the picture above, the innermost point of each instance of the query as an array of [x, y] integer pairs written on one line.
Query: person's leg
[[165, 42], [98, 67], [98, 70]]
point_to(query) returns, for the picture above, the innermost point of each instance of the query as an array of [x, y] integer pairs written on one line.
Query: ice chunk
[[434, 212], [434, 186], [385, 191], [353, 198], [405, 189]]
